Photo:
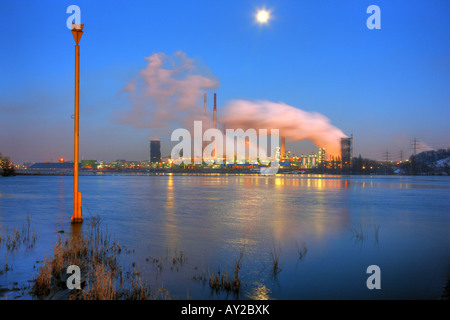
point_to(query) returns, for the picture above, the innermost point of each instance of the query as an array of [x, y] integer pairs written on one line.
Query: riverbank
[[97, 257]]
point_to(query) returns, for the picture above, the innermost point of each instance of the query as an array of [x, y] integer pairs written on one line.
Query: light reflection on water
[[211, 218], [259, 292]]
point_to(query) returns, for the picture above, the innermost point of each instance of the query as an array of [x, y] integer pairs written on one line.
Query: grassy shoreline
[[104, 278]]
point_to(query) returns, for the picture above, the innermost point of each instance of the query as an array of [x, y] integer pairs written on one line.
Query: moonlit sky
[[385, 86]]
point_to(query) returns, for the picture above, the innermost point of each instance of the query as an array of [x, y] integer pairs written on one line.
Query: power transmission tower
[[401, 155], [386, 155], [415, 145]]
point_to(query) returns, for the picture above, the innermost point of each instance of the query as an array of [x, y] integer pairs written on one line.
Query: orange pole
[[76, 217]]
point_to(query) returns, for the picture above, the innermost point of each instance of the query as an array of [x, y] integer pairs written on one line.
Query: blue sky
[[385, 86]]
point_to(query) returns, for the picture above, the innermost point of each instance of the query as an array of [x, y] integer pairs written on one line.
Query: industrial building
[[89, 164], [155, 151], [52, 166], [321, 155], [347, 151]]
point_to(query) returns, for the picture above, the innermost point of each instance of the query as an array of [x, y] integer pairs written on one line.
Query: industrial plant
[[286, 160], [284, 157]]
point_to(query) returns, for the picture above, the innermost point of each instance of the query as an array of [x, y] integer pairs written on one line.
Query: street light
[[77, 32]]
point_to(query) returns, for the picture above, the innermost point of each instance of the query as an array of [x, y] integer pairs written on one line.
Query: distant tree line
[[367, 166], [358, 166], [424, 163], [6, 167], [427, 162]]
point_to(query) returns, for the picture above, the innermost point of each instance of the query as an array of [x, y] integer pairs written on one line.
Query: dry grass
[[98, 258], [42, 282], [358, 235], [224, 281], [377, 229], [6, 267], [275, 255], [181, 258], [137, 289], [103, 285], [301, 251], [14, 239]]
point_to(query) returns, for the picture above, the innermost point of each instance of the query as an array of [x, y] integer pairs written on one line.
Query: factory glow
[[235, 142]]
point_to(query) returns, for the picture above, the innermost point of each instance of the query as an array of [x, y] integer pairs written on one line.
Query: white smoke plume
[[294, 124], [169, 93]]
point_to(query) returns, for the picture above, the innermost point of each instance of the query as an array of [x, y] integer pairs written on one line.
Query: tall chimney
[[283, 147], [215, 111], [215, 120], [204, 142]]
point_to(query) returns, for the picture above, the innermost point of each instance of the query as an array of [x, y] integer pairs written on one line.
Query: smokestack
[[215, 119], [204, 104], [351, 148], [283, 147], [215, 111]]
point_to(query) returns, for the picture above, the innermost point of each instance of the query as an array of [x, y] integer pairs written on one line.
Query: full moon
[[263, 16]]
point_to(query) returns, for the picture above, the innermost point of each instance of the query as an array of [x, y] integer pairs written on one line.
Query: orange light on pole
[[77, 32]]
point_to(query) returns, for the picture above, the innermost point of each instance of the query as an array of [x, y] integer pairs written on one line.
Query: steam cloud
[[170, 89], [167, 91], [293, 123]]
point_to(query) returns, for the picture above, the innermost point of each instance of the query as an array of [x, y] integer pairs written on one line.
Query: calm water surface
[[211, 218]]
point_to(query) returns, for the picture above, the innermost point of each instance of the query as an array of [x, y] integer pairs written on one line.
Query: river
[[327, 230]]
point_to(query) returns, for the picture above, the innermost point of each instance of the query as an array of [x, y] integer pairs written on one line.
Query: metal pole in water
[[76, 217]]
